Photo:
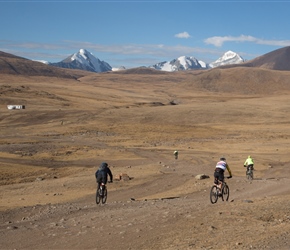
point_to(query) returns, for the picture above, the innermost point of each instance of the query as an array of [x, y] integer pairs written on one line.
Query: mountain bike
[[216, 192], [250, 173], [101, 194]]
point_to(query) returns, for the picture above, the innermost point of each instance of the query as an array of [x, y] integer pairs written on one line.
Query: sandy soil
[[50, 151]]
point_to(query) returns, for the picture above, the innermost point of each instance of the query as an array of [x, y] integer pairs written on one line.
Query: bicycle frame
[[101, 194], [102, 189], [249, 173], [216, 191]]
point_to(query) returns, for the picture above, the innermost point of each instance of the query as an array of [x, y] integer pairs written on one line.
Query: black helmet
[[222, 159], [103, 165]]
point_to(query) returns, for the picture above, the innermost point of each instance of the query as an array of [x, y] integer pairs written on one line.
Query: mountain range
[[10, 64], [85, 60], [189, 63]]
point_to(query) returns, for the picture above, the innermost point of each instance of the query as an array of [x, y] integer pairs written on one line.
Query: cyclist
[[249, 163], [175, 154], [102, 174], [220, 168]]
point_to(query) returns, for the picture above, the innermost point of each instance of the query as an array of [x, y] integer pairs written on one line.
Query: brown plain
[[134, 120]]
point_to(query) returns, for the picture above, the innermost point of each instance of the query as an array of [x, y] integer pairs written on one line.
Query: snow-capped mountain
[[229, 57], [84, 60], [119, 68], [42, 61], [181, 63], [188, 63]]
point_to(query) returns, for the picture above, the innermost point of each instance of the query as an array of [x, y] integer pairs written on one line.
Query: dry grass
[[134, 121]]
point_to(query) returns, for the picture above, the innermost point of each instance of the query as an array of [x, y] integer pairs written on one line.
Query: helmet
[[249, 156], [103, 165], [222, 159]]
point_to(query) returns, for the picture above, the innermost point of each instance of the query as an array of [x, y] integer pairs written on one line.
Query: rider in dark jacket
[[102, 174]]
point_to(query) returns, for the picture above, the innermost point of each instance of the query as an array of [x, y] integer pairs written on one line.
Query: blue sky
[[141, 33]]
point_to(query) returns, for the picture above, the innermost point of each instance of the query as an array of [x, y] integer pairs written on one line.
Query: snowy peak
[[229, 57], [188, 62], [179, 64], [89, 61], [84, 60], [119, 68], [82, 56]]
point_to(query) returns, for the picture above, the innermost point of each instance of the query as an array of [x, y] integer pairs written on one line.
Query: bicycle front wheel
[[225, 193], [104, 196], [213, 194], [98, 196]]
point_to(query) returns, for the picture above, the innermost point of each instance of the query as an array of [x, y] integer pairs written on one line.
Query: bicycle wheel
[[213, 194], [104, 196], [225, 192], [98, 196], [250, 175]]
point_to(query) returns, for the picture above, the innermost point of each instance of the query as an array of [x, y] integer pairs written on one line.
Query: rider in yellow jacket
[[249, 163]]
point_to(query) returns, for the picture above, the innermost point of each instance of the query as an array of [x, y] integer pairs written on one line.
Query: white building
[[15, 106]]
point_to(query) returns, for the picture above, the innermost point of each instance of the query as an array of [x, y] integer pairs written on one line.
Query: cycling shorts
[[219, 174]]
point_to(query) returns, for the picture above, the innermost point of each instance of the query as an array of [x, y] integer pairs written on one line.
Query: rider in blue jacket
[[102, 174]]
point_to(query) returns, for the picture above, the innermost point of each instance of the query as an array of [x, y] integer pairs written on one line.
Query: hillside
[[14, 65], [277, 60]]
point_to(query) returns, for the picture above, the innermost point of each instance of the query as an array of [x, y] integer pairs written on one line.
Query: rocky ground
[[50, 151]]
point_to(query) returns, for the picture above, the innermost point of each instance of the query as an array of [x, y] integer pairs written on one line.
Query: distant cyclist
[[102, 174], [220, 168], [249, 163], [175, 154]]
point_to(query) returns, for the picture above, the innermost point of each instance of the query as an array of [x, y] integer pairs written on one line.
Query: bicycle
[[216, 192], [101, 194], [250, 173]]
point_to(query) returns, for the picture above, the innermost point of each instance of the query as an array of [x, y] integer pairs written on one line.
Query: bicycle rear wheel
[[104, 196], [213, 194], [250, 175], [98, 196], [225, 192]]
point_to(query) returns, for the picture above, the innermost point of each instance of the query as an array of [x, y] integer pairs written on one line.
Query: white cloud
[[182, 35], [218, 41], [57, 49], [141, 49]]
